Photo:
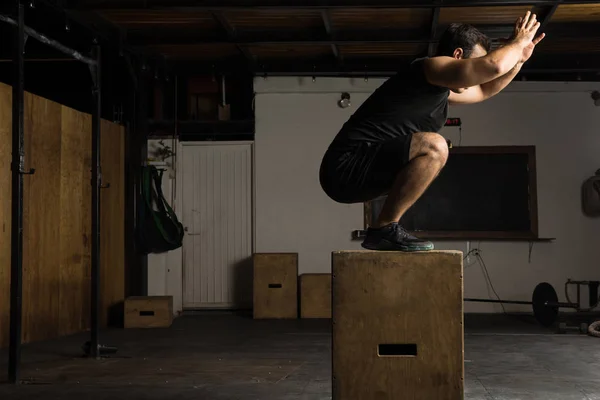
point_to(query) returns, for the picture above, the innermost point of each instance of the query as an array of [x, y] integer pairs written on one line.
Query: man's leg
[[427, 156]]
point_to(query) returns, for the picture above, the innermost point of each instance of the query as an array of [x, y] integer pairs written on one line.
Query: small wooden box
[[224, 112], [148, 312], [397, 325], [275, 285], [315, 296]]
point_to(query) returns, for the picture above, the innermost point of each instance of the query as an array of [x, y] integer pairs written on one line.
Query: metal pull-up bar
[[50, 42], [18, 171]]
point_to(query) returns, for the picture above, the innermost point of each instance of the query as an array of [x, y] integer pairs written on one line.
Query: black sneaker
[[393, 237]]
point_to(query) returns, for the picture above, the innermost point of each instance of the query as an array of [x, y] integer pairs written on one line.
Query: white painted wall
[[297, 118]]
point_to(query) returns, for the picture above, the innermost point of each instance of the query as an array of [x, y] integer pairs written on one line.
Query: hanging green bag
[[158, 230]]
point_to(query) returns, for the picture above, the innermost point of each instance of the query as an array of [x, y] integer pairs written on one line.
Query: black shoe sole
[[386, 245]]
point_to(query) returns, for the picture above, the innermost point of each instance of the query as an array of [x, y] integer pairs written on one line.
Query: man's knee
[[431, 145], [438, 147]]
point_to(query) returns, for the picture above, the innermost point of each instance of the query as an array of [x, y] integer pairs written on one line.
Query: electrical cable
[[488, 278]]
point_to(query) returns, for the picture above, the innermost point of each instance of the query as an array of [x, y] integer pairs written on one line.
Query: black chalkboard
[[481, 192]]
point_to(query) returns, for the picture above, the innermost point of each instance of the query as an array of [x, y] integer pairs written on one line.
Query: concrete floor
[[224, 356]]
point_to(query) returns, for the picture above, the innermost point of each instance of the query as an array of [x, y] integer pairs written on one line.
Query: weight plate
[[545, 293]]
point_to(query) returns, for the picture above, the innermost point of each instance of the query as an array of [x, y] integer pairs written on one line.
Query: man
[[391, 145]]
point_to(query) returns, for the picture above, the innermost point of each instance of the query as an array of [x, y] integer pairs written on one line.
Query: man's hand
[[525, 28], [528, 50], [524, 32]]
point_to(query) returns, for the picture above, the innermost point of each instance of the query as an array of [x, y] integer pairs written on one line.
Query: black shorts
[[365, 171]]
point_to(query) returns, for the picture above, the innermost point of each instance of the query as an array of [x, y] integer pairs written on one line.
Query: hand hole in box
[[397, 350], [274, 285], [146, 313]]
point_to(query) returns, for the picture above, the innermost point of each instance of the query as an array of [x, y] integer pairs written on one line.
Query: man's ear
[[458, 53]]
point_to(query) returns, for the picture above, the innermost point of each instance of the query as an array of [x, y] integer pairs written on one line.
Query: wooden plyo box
[[397, 325], [315, 296], [148, 312], [275, 286]]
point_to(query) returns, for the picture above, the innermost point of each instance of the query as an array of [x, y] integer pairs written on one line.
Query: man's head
[[463, 41]]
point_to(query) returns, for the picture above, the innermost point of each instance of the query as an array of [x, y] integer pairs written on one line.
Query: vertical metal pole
[[17, 166], [142, 137], [96, 183]]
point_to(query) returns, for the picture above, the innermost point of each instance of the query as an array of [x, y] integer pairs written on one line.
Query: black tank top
[[406, 103]]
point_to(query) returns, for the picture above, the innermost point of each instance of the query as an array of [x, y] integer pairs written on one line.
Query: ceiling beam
[[53, 43], [268, 40], [231, 35], [542, 61], [566, 30], [40, 60], [148, 37], [328, 31], [300, 4], [435, 17], [142, 38], [545, 13], [90, 22]]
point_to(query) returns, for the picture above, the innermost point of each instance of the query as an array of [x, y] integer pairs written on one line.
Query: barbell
[[544, 301]]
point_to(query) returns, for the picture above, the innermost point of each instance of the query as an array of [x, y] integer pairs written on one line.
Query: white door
[[217, 215]]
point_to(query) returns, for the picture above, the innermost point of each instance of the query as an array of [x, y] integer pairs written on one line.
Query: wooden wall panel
[[112, 224], [5, 211], [75, 224], [57, 219], [41, 219]]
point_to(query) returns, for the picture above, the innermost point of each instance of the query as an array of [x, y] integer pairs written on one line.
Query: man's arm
[[486, 90], [468, 72], [462, 73]]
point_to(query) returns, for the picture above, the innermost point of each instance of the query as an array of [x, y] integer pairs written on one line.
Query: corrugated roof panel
[[208, 51], [482, 15], [382, 49], [289, 50], [380, 18], [569, 45], [160, 18], [274, 19], [577, 13]]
